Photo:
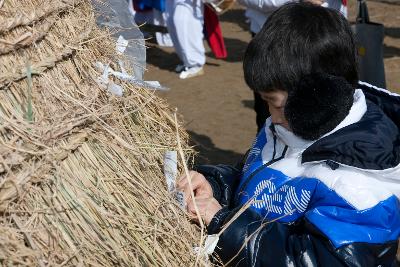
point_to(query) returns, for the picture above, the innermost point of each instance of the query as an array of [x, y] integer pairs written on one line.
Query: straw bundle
[[81, 181]]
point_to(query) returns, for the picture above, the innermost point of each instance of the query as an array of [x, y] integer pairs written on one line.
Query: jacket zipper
[[262, 167]]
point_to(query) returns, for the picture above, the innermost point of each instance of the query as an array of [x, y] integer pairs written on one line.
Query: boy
[[323, 174], [258, 11]]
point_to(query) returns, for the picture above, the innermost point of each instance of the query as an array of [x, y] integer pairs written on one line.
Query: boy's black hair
[[318, 104], [299, 39]]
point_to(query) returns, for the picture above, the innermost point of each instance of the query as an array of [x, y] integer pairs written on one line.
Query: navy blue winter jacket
[[329, 202]]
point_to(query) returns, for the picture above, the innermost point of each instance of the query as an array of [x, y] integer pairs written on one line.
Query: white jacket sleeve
[[266, 6]]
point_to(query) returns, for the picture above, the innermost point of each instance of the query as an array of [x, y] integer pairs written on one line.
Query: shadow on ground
[[392, 32], [235, 16], [169, 62], [208, 153], [235, 48], [390, 51], [390, 2]]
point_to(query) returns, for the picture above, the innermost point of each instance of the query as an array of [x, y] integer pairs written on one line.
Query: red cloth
[[344, 2], [213, 33]]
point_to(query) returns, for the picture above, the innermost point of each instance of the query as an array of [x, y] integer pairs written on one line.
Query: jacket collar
[[356, 112], [294, 142], [367, 139]]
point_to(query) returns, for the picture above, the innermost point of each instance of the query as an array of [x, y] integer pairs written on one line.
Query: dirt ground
[[217, 107]]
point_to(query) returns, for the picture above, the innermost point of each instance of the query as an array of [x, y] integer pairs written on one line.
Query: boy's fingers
[[191, 205], [187, 194], [201, 203], [183, 180], [183, 186], [190, 208], [207, 207], [197, 181]]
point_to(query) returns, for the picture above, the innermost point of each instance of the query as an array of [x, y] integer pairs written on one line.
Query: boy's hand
[[200, 186], [207, 207]]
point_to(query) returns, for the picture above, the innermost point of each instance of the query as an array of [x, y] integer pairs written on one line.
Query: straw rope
[[45, 10], [14, 185], [40, 67], [37, 68], [26, 39]]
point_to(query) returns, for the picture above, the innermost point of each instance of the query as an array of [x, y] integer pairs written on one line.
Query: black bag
[[369, 42]]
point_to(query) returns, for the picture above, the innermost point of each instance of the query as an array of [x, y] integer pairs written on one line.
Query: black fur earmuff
[[318, 104]]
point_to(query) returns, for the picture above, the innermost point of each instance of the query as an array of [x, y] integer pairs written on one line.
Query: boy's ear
[[318, 104]]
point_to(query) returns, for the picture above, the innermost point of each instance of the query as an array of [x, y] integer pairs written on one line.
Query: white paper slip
[[209, 245], [123, 75], [171, 169], [153, 83], [121, 45], [115, 89]]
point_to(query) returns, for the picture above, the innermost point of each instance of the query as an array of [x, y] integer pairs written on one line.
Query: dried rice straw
[[81, 181]]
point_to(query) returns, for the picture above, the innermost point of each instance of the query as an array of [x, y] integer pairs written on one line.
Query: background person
[[185, 26]]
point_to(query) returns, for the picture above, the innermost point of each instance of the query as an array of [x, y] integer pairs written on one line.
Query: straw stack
[[81, 179]]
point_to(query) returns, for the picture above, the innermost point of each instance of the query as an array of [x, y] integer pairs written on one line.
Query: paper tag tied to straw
[[209, 245], [121, 45], [123, 75], [170, 169], [171, 173], [105, 83], [153, 83], [103, 79], [115, 89]]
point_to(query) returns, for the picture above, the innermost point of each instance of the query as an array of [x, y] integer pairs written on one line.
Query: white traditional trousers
[[185, 25]]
